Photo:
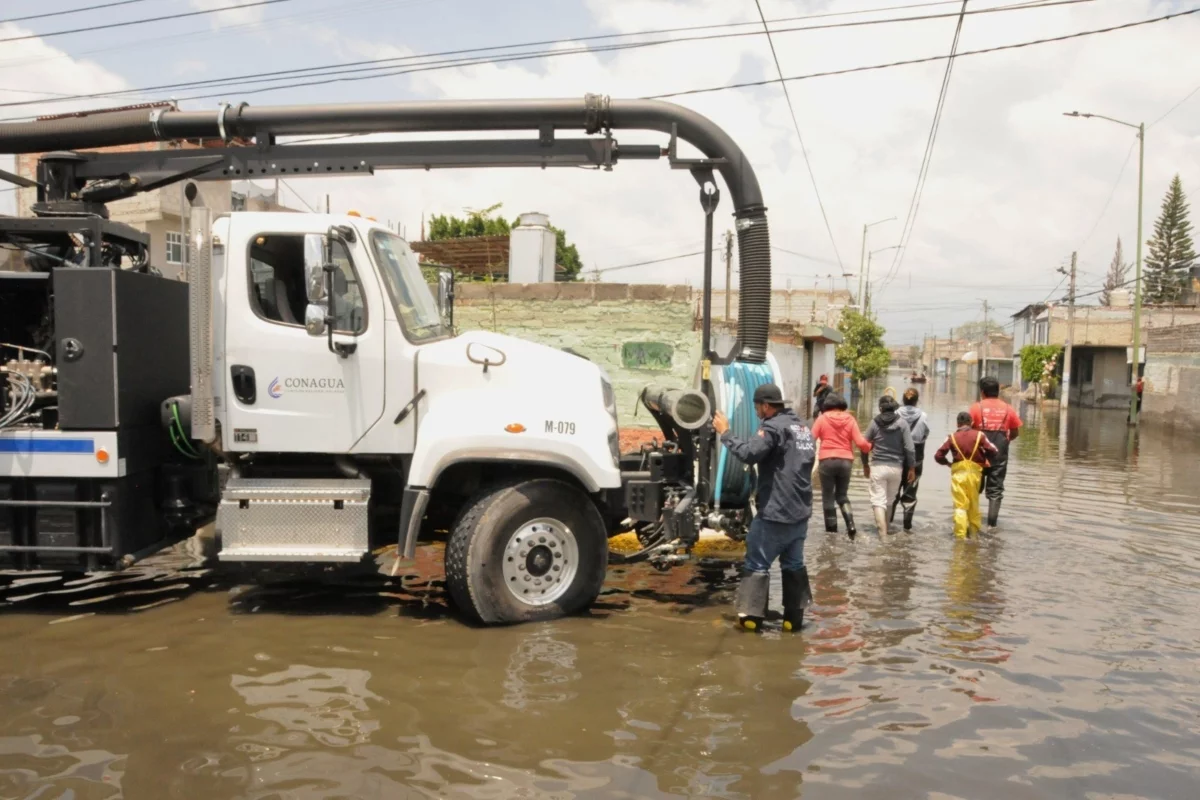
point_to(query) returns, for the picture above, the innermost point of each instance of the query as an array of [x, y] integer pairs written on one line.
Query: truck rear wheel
[[524, 552]]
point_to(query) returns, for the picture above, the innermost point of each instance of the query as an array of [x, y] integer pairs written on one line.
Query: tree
[[1035, 357], [1171, 254], [482, 223], [1118, 269], [862, 350]]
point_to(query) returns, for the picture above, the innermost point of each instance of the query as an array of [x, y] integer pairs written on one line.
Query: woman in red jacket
[[837, 430]]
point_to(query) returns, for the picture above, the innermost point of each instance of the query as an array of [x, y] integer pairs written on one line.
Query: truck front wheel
[[524, 552]]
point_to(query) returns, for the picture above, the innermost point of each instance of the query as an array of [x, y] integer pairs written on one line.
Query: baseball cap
[[768, 393]]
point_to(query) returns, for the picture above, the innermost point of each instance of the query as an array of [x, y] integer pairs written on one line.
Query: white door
[[286, 391]]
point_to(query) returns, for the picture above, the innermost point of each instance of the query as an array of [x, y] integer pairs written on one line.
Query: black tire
[[475, 553]]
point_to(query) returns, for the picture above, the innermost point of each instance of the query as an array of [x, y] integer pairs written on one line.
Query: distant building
[[1024, 333], [1102, 351]]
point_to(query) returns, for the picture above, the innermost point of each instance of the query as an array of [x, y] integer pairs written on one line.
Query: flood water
[[1055, 658]]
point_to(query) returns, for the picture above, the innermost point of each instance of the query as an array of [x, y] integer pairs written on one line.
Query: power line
[[388, 67], [1112, 193], [914, 204], [1187, 97], [226, 32], [644, 263], [805, 256], [144, 21], [71, 11], [796, 124], [927, 59]]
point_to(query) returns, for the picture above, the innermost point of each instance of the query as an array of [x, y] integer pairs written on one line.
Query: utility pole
[[1065, 395], [728, 271], [862, 259], [1134, 411], [983, 349], [1136, 358]]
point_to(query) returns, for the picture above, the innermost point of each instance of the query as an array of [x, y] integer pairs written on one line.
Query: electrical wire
[[914, 205], [65, 12], [643, 263], [796, 124], [387, 67], [144, 21], [1173, 108], [928, 59], [1111, 193]]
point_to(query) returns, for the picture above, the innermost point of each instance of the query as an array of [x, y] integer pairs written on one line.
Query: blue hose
[[739, 380]]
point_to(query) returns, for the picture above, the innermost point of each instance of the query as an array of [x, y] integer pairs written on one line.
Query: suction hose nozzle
[[689, 409]]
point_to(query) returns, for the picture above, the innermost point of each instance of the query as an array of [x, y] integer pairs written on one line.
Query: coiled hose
[[735, 387]]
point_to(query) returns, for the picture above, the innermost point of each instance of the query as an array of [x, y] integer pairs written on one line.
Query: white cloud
[[1014, 186], [237, 15]]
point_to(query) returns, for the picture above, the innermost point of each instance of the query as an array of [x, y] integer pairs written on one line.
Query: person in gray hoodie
[[892, 457], [918, 425]]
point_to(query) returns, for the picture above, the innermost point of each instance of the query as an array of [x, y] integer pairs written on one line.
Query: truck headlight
[[614, 447]]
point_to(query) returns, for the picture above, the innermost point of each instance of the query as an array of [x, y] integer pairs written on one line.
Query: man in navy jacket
[[783, 451]]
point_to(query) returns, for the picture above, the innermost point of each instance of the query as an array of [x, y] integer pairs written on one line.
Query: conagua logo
[[305, 386]]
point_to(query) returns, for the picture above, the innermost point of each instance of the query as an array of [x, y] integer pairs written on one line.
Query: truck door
[[286, 391]]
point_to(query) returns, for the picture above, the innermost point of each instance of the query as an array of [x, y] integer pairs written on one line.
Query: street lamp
[[863, 255], [1137, 280], [867, 305]]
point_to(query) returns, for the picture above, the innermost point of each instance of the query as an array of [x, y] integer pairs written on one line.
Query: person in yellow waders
[[966, 472]]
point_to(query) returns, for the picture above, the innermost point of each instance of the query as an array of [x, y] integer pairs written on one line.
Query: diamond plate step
[[274, 519]]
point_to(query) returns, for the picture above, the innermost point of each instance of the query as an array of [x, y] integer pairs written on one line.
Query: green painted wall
[[598, 321]]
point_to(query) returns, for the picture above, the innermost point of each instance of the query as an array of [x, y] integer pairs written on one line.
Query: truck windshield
[[410, 294]]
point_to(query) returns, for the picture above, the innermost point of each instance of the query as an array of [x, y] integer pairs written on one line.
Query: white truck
[[305, 387]]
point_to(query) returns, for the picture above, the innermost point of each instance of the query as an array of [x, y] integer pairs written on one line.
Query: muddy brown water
[[1055, 658]]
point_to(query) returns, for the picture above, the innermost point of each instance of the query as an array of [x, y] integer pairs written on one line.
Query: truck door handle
[[243, 383]]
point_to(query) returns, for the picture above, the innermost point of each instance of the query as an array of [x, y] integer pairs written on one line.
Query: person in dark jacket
[[918, 426], [820, 392], [783, 451], [892, 456]]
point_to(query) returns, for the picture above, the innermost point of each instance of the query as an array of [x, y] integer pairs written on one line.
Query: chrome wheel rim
[[540, 561]]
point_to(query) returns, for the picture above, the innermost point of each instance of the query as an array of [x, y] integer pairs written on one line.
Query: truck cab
[[351, 416]]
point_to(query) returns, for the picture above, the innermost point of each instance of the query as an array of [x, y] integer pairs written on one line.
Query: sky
[[1013, 186]]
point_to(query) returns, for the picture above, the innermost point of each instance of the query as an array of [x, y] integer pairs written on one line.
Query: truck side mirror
[[317, 310], [445, 296], [314, 267]]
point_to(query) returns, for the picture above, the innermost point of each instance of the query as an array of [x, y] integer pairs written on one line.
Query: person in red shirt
[[967, 453], [838, 432], [1000, 424]]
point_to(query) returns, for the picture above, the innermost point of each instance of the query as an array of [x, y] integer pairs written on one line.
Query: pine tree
[[1171, 254], [1117, 277]]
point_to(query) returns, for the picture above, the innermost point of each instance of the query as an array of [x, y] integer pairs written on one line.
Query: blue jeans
[[768, 541]]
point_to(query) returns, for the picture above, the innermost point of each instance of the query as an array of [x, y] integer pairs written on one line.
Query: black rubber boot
[[831, 520], [851, 531], [908, 516], [797, 596], [752, 599], [993, 511]]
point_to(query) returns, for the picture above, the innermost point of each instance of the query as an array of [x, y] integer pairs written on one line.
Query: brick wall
[[1179, 339], [1172, 394], [596, 320]]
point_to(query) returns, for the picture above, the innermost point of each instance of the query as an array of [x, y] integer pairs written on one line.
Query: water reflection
[[1053, 658]]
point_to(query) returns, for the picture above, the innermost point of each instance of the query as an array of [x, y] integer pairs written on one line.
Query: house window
[[176, 248], [647, 355]]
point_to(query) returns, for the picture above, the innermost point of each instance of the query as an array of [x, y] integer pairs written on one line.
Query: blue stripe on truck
[[71, 446]]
